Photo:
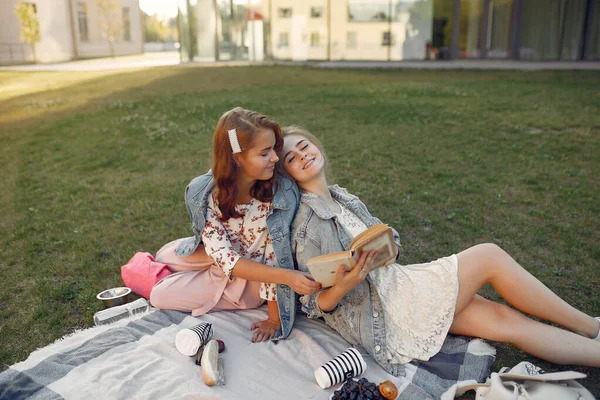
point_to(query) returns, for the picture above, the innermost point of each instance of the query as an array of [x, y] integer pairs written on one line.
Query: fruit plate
[[376, 395], [340, 386]]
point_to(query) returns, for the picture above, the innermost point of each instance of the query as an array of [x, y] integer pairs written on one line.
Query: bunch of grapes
[[358, 390]]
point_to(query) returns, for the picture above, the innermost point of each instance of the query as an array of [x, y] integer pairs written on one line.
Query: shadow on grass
[[85, 90]]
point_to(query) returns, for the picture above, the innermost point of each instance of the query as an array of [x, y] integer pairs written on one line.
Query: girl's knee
[[503, 313], [482, 255], [492, 259], [162, 255], [509, 321], [157, 297], [490, 250], [481, 262]]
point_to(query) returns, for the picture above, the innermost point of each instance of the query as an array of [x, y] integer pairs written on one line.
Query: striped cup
[[345, 366], [189, 340]]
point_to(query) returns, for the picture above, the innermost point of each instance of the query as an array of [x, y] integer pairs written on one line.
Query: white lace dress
[[418, 301]]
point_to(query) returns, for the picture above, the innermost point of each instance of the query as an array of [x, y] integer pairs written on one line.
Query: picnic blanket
[[137, 359]]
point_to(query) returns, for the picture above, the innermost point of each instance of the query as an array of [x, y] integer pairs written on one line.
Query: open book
[[379, 237]]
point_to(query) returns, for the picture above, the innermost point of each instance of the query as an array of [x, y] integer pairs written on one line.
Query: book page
[[385, 247], [378, 237]]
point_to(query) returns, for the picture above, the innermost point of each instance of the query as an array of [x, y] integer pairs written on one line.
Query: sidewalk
[[454, 64], [158, 59], [155, 59]]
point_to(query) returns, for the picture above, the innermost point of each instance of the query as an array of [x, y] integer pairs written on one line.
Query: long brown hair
[[224, 165]]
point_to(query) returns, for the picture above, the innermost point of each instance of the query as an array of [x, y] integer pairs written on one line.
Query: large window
[[498, 38], [285, 13], [126, 25], [593, 41], [387, 39], [385, 10], [471, 13], [552, 29], [368, 11], [238, 32], [441, 24], [82, 19]]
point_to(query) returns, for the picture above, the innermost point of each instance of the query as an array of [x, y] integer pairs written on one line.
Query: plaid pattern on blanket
[[137, 359]]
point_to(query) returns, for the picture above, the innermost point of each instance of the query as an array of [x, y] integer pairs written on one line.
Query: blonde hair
[[300, 131]]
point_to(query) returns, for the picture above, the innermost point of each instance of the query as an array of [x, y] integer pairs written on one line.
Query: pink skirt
[[199, 286]]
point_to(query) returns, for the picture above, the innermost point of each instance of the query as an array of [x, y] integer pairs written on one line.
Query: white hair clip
[[233, 140]]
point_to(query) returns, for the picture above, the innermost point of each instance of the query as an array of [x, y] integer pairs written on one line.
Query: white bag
[[525, 381]]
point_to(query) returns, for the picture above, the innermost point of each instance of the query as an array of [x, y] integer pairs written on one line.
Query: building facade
[[388, 30], [71, 30], [534, 30]]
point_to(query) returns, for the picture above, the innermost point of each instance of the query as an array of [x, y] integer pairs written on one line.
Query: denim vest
[[358, 317], [284, 203]]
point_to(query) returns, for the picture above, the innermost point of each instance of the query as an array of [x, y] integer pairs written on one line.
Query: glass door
[[552, 29], [441, 38], [499, 28], [231, 30], [484, 28], [593, 42], [471, 16]]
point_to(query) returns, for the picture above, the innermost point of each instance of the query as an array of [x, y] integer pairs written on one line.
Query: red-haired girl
[[241, 212]]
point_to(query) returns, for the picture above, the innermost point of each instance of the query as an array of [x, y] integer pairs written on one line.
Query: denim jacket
[[358, 317], [284, 203]]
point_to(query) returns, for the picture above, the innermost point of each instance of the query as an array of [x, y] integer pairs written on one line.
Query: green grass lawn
[[94, 167]]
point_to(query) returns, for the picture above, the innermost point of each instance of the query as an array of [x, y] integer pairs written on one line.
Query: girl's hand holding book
[[347, 280]]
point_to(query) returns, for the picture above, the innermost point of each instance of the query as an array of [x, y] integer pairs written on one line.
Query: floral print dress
[[244, 237]]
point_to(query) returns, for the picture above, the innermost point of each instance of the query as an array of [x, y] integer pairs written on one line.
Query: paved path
[[158, 59], [104, 64], [455, 64]]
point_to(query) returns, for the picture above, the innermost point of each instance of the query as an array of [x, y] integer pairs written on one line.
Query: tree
[[193, 43], [156, 30], [30, 26], [421, 15], [380, 16], [111, 26]]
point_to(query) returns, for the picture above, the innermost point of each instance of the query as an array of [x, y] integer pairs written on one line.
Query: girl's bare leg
[[490, 320], [488, 263]]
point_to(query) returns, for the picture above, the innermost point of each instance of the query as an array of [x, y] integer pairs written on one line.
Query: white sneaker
[[598, 337]]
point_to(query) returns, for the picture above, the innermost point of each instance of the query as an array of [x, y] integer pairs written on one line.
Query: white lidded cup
[[345, 366], [189, 340]]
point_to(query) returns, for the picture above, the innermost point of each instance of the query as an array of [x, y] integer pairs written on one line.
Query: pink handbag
[[142, 272]]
